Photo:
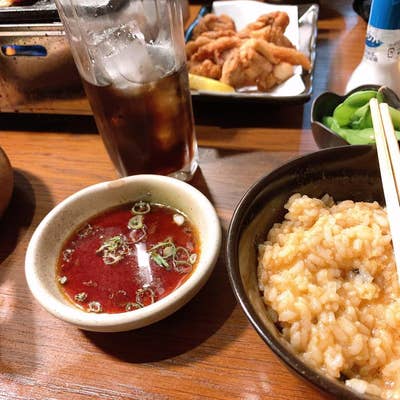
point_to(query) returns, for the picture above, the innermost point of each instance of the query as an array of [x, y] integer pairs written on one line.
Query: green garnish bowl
[[53, 231], [323, 106]]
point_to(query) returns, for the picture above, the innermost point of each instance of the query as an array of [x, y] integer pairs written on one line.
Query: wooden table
[[208, 349]]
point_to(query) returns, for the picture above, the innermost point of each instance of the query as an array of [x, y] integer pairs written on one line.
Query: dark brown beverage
[[147, 128]]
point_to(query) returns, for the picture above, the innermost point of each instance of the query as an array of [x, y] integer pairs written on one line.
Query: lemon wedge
[[198, 82]]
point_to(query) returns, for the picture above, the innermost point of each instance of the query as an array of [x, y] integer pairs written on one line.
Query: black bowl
[[349, 172], [323, 106]]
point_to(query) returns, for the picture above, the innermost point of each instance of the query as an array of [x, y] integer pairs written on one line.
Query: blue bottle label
[[382, 45]]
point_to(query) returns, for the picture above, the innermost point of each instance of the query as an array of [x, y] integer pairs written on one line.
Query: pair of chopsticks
[[389, 165]]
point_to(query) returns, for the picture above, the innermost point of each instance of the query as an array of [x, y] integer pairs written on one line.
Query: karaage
[[258, 55], [212, 22], [260, 63]]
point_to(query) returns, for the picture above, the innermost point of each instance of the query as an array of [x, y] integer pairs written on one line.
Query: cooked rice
[[328, 271]]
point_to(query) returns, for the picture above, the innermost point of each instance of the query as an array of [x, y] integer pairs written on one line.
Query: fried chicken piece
[[262, 64], [280, 54], [217, 34], [212, 22], [270, 34], [245, 67], [194, 45], [216, 49], [206, 37], [277, 19], [205, 68], [270, 27], [208, 59]]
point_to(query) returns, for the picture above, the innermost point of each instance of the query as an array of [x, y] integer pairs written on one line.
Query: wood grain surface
[[207, 349]]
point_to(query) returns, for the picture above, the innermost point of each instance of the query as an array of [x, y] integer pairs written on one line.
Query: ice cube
[[121, 55], [138, 63], [106, 46]]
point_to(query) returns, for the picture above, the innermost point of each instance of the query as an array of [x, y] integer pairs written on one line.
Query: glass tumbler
[[131, 58]]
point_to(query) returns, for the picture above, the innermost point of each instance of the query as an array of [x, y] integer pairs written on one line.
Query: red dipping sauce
[[127, 258]]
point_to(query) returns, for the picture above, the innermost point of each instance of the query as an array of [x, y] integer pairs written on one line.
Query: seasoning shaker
[[381, 61]]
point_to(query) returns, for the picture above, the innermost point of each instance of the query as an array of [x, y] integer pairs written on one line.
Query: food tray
[[307, 34]]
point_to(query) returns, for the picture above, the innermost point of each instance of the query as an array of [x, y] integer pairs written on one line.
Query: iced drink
[[131, 57], [146, 128]]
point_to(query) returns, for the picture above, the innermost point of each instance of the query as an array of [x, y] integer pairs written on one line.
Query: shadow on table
[[245, 114], [47, 123], [16, 308], [17, 216], [224, 114], [187, 328]]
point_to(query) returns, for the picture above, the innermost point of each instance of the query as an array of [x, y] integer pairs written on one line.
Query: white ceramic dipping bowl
[[49, 237]]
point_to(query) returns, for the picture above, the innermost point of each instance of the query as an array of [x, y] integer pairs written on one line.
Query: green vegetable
[[331, 123], [344, 112], [358, 99], [352, 119], [358, 136], [361, 118], [395, 115]]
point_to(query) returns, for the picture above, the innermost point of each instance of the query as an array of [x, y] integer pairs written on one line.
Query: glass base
[[187, 173]]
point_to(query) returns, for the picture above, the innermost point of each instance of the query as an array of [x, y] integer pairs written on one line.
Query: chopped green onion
[[162, 251], [114, 249], [85, 231], [183, 261], [159, 260], [162, 244], [141, 207], [67, 254], [167, 255], [141, 293], [169, 251], [110, 258], [181, 254], [111, 244], [136, 222], [80, 297], [133, 306], [95, 306], [183, 267]]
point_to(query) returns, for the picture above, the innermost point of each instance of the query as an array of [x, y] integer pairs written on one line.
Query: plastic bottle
[[381, 62]]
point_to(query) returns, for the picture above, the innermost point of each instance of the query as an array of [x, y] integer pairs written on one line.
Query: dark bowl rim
[[302, 370]]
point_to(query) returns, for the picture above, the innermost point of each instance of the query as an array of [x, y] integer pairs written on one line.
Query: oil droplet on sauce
[[112, 265]]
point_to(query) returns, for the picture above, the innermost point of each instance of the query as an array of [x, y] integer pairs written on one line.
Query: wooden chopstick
[[392, 143], [389, 166]]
